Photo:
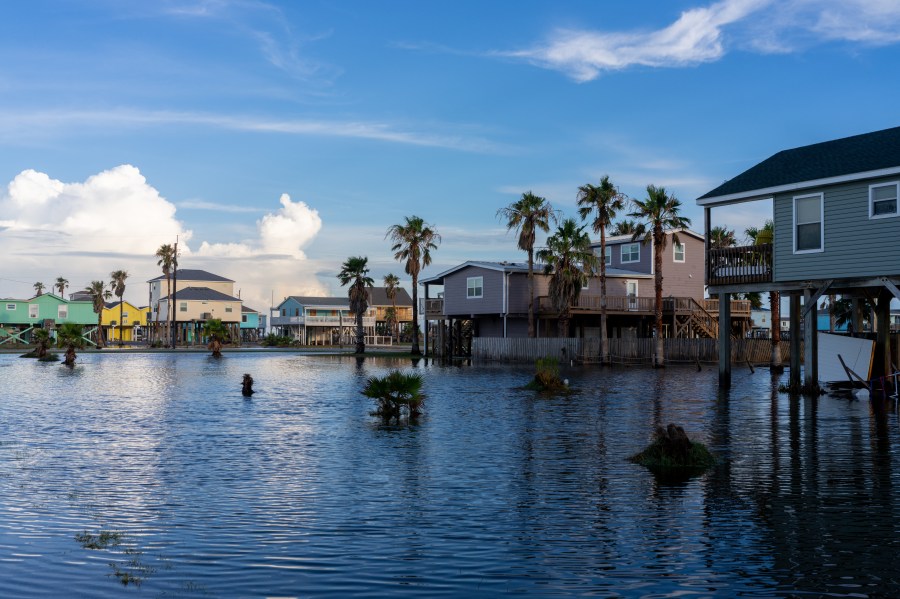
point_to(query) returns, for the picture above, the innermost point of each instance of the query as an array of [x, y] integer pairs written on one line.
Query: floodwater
[[149, 475]]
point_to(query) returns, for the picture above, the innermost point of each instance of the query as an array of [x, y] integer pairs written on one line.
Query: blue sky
[[278, 139]]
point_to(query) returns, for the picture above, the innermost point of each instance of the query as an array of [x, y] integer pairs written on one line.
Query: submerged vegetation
[[546, 377], [69, 335], [398, 395], [672, 449]]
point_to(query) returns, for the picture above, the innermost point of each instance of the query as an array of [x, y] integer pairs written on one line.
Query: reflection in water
[[497, 490]]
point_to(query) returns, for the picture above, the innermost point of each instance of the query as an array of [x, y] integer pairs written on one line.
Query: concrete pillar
[[810, 342], [724, 340], [794, 317]]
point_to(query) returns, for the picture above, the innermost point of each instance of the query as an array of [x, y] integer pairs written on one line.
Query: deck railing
[[739, 265], [432, 308]]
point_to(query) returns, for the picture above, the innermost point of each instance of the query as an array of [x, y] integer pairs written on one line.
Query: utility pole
[[174, 287]]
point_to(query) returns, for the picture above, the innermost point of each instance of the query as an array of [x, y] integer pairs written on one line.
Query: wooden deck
[[739, 265]]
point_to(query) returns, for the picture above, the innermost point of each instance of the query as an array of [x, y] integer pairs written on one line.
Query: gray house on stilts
[[836, 215]]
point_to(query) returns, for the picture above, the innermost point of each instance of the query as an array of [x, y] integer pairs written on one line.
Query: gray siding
[[683, 279], [855, 246], [457, 304], [645, 265]]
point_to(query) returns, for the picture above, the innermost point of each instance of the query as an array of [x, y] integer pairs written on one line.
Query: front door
[[631, 290]]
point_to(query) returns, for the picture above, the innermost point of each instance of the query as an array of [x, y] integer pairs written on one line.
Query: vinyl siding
[[644, 265], [855, 246], [683, 279], [457, 304]]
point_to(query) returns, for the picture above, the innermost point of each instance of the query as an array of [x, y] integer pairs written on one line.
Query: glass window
[[631, 252], [474, 287], [33, 310], [679, 252], [182, 306], [228, 307], [808, 232], [883, 200], [62, 312], [243, 318], [10, 307]]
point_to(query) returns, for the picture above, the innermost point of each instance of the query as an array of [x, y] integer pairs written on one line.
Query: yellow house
[[132, 327]]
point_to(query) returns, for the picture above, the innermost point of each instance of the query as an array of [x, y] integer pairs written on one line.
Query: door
[[631, 290]]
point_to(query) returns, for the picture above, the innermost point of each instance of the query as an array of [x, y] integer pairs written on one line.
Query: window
[[608, 257], [296, 311], [585, 284], [33, 310], [474, 287], [182, 307], [62, 312], [809, 234], [883, 200], [124, 316], [228, 308], [679, 252], [631, 252], [283, 312], [10, 307], [243, 318]]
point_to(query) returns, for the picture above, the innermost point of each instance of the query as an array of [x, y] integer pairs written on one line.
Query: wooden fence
[[623, 351]]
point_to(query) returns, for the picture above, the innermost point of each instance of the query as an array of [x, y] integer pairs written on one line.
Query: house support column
[[794, 328], [855, 314], [810, 342], [724, 340], [883, 335]]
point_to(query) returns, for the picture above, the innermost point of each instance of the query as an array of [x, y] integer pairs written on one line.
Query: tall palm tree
[[765, 234], [602, 201], [413, 241], [527, 215], [98, 293], [569, 261], [117, 286], [659, 212], [624, 227], [61, 285], [39, 288], [166, 255], [355, 272], [391, 281]]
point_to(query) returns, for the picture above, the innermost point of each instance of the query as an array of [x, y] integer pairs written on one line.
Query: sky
[[276, 139]]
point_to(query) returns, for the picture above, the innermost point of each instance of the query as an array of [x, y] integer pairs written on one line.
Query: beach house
[[198, 296]]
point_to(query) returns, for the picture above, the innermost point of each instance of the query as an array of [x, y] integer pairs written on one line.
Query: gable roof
[[202, 294], [308, 300], [620, 239], [520, 267], [188, 274], [378, 297], [847, 159]]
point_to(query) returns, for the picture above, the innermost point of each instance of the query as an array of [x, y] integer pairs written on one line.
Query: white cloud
[[115, 219]]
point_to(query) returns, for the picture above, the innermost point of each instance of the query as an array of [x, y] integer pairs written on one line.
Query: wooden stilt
[[724, 340], [796, 357]]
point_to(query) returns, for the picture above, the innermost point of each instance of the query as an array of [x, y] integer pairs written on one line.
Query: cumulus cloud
[[116, 219]]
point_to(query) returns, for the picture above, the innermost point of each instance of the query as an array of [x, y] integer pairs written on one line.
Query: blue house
[[836, 215]]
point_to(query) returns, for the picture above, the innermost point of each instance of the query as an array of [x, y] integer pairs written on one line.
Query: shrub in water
[[546, 377], [671, 448], [397, 394]]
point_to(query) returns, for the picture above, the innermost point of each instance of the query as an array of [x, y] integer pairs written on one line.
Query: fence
[[623, 351]]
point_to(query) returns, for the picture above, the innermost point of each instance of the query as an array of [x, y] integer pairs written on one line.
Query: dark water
[[300, 493]]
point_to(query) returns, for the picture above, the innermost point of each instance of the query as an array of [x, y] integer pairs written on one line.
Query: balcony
[[739, 265], [432, 308], [280, 321], [590, 304]]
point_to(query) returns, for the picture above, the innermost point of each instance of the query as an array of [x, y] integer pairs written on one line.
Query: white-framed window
[[608, 257], [62, 312], [631, 252], [678, 252], [585, 283], [883, 200], [33, 310], [182, 307], [124, 316], [474, 287], [11, 307], [228, 307], [809, 221]]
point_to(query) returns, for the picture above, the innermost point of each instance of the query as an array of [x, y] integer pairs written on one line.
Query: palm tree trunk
[[659, 357], [775, 305], [360, 334], [100, 330], [530, 293], [563, 325], [414, 350], [604, 342], [121, 329]]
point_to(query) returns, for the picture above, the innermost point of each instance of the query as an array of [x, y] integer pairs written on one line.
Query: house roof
[[203, 294], [248, 309], [520, 267], [847, 159], [619, 239], [187, 274], [378, 297], [307, 300]]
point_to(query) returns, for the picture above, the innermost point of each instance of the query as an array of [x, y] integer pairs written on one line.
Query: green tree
[[69, 335], [41, 338], [355, 272], [413, 241], [759, 236], [217, 333], [624, 227], [601, 203], [166, 255], [39, 288], [721, 237], [117, 286], [658, 212], [395, 393], [391, 282], [528, 215], [569, 261], [61, 285], [99, 294]]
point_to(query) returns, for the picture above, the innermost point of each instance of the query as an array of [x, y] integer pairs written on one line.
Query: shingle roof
[[307, 300], [378, 297], [840, 157], [188, 274], [203, 293]]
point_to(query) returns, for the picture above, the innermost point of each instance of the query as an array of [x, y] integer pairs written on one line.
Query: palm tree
[[355, 272], [61, 285], [98, 293], [527, 215], [413, 241], [39, 288], [41, 338], [660, 212], [624, 227], [69, 335], [568, 260], [722, 237], [166, 255], [766, 234], [117, 285], [603, 201], [217, 334], [391, 281]]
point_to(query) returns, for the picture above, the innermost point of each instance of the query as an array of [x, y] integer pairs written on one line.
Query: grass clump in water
[[398, 395], [671, 448], [546, 377]]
